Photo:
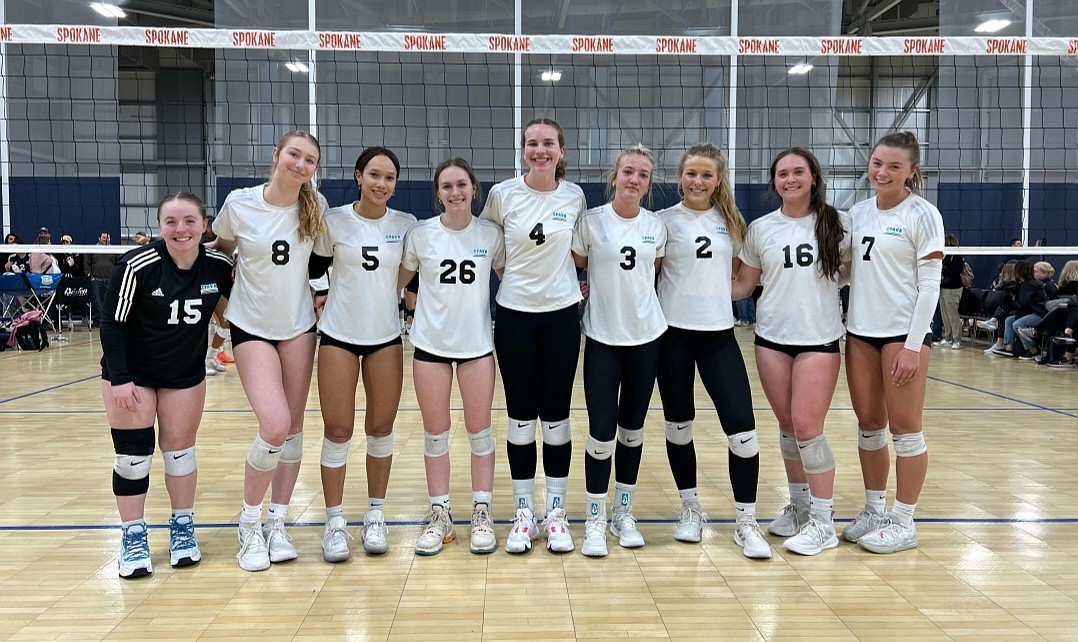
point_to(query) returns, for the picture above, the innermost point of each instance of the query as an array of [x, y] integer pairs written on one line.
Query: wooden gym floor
[[998, 528]]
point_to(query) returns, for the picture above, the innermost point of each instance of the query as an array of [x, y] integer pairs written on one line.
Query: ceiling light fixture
[[108, 10]]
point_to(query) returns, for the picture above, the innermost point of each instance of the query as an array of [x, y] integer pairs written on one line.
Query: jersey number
[[467, 271], [537, 234], [629, 253], [279, 254], [803, 255], [191, 313], [870, 241], [703, 252], [370, 258]]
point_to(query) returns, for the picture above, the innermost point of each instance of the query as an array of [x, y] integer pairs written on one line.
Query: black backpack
[[32, 336]]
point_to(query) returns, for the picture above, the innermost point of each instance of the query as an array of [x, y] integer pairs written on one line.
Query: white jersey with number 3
[[452, 311], [361, 308], [883, 276], [798, 307], [623, 308], [694, 283], [539, 271], [271, 298]]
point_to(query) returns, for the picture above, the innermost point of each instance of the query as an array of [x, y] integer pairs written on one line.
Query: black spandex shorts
[[793, 351], [423, 355], [239, 335], [879, 342], [358, 350]]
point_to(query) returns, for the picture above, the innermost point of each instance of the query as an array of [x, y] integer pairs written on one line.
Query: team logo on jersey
[[157, 292], [894, 230], [647, 239], [394, 238], [721, 229], [208, 288], [560, 216], [479, 251]]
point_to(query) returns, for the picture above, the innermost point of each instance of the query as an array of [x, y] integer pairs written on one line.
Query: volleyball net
[[98, 122]]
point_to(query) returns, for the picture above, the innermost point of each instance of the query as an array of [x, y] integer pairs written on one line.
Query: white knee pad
[[293, 449], [816, 455], [631, 437], [436, 445], [872, 439], [132, 467], [180, 463], [520, 433], [744, 444], [788, 446], [380, 447], [224, 333], [482, 442], [601, 450], [334, 455], [557, 433], [679, 433], [263, 456], [910, 445]]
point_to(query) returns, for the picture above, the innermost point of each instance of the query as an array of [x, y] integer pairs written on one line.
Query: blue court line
[[1001, 396], [506, 522], [57, 386]]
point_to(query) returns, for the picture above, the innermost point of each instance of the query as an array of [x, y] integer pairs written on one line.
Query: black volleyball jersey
[[154, 324]]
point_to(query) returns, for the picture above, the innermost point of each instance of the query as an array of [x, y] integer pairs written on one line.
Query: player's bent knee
[[131, 465], [436, 445], [482, 442], [816, 455], [263, 456], [334, 455], [744, 444], [380, 446], [872, 439], [557, 433], [679, 433], [180, 463], [910, 444], [520, 433], [293, 449], [601, 450]]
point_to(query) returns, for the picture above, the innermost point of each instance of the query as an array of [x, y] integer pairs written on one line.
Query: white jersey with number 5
[[539, 271], [623, 308], [452, 310], [798, 307], [271, 298], [694, 284], [883, 276], [361, 308]]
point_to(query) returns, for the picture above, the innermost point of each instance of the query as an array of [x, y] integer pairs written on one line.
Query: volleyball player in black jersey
[[158, 306]]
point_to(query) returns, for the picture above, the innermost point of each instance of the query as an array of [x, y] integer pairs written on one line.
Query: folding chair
[[42, 288], [13, 291], [72, 293]]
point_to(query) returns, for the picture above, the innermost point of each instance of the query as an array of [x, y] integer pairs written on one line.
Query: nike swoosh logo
[[682, 427], [521, 425], [745, 441], [175, 457], [274, 452], [798, 445]]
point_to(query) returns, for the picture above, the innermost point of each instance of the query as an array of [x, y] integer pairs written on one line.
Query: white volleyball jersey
[[694, 283], [452, 310], [883, 277], [361, 308], [798, 307], [623, 308], [538, 226], [271, 298]]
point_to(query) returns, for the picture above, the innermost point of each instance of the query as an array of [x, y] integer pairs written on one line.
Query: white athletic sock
[[376, 503], [190, 512], [251, 516], [524, 493], [139, 520], [822, 509], [482, 497], [556, 488], [334, 511], [876, 500], [623, 496], [440, 500], [799, 493], [595, 505], [277, 511], [745, 510], [903, 513], [689, 495]]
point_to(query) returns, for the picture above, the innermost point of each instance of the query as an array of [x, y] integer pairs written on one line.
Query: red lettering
[[1073, 47], [1006, 46], [175, 37], [425, 43], [591, 44], [509, 43], [78, 34], [840, 46], [6, 34], [254, 39], [340, 41], [758, 45], [675, 45], [924, 46]]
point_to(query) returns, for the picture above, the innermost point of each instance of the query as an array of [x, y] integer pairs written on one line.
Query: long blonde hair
[[312, 224], [1069, 273], [722, 198]]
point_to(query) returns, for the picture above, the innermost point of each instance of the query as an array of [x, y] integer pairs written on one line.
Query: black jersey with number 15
[[153, 327]]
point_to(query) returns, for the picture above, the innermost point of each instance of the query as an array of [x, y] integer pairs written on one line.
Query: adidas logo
[[157, 292]]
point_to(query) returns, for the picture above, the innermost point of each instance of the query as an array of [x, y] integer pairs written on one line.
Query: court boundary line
[[1002, 396]]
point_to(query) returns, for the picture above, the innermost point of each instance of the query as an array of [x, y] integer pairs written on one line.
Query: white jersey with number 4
[[694, 283], [271, 298], [623, 308], [883, 276], [361, 308], [539, 271], [452, 310], [798, 307]]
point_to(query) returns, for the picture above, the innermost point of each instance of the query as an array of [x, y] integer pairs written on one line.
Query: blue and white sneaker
[[182, 546], [135, 552]]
